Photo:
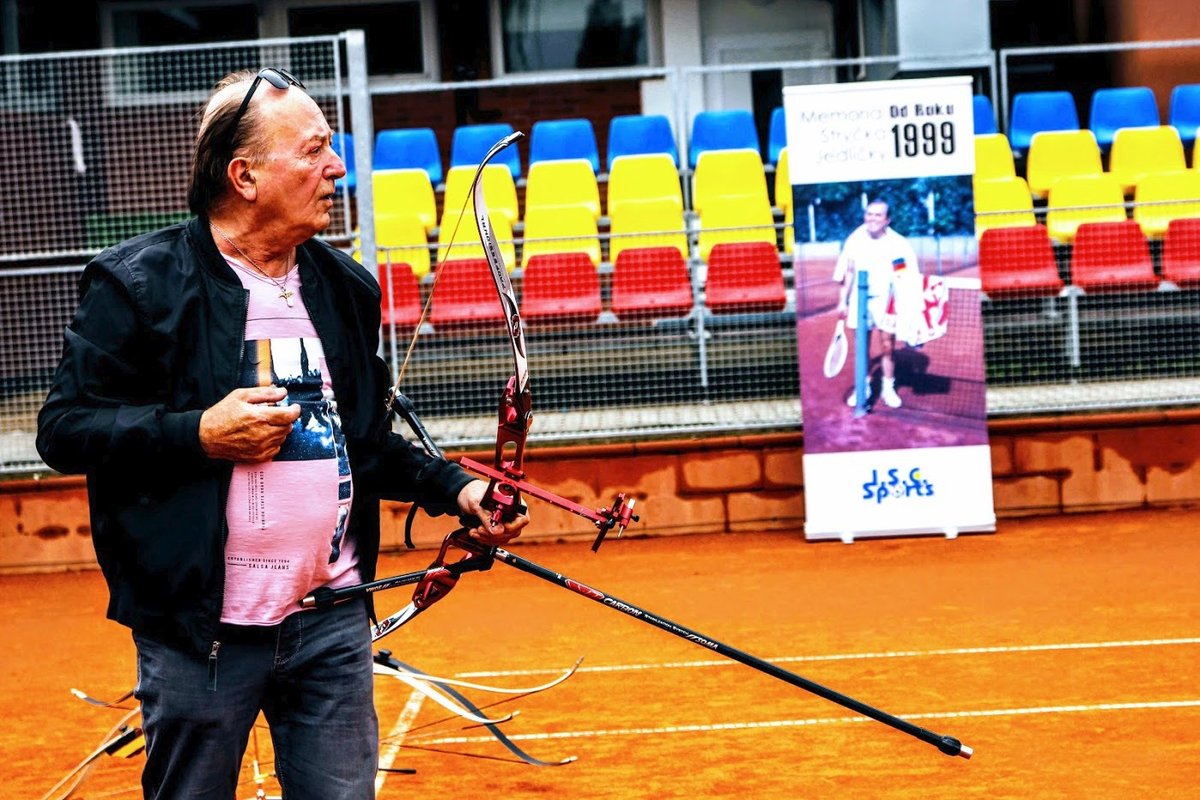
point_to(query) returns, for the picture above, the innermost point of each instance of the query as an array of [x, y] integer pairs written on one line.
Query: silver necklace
[[285, 294]]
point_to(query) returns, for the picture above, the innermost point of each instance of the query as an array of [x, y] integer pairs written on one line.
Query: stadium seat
[[401, 303], [560, 287], [639, 134], [776, 134], [560, 229], [1184, 111], [470, 144], [408, 148], [728, 174], [1034, 112], [466, 244], [1057, 154], [1002, 203], [993, 157], [1112, 256], [736, 219], [569, 182], [466, 294], [343, 145], [647, 223], [722, 130], [783, 183], [744, 277], [564, 138], [401, 237], [499, 191], [1137, 152], [1181, 252], [1080, 199], [651, 282], [1018, 261], [984, 114], [639, 178], [405, 191], [1119, 107], [1162, 197]]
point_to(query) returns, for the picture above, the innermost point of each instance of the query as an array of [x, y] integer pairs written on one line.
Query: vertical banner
[[888, 317]]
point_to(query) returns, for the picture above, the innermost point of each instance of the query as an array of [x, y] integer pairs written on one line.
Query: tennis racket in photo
[[835, 356]]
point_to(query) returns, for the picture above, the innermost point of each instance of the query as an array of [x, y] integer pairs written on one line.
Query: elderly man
[[219, 387], [891, 266]]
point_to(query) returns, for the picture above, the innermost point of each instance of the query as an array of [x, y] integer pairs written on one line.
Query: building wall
[[1160, 69], [1049, 465]]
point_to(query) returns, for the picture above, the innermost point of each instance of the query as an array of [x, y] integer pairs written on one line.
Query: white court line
[[395, 739], [796, 723], [950, 651]]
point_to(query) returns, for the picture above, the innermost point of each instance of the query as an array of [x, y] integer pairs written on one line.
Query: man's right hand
[[246, 425]]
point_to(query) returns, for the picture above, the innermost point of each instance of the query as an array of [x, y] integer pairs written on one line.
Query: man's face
[[876, 219], [295, 177]]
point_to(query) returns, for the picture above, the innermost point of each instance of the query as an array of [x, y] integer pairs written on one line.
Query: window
[[394, 32], [568, 34]]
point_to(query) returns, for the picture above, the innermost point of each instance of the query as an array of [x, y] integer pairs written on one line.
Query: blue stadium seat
[[409, 148], [1185, 111], [721, 130], [471, 143], [343, 145], [777, 135], [1121, 107], [554, 140], [985, 116], [1033, 112], [640, 134]]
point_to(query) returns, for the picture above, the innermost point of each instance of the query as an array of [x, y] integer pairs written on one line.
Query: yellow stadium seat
[[1137, 152], [993, 157], [1057, 154], [783, 183], [568, 182], [647, 223], [466, 244], [401, 238], [637, 178], [1077, 199], [404, 191], [560, 229], [499, 191], [1164, 196], [727, 173], [1002, 203], [735, 219]]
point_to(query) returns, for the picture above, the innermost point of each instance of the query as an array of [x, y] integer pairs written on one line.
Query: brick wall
[[1044, 465]]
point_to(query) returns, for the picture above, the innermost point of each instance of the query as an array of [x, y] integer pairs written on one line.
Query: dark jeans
[[311, 676]]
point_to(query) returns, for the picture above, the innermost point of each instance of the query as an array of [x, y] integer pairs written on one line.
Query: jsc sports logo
[[895, 487]]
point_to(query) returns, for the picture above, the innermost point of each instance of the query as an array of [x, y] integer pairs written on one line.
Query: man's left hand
[[470, 501]]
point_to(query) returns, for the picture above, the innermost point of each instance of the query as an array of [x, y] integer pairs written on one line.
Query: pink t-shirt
[[287, 517]]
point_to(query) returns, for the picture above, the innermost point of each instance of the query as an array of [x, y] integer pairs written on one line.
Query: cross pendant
[[286, 295]]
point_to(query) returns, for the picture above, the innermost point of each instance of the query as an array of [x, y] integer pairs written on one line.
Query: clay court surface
[[1065, 651]]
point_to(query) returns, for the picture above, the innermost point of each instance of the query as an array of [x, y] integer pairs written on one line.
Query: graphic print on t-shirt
[[287, 517]]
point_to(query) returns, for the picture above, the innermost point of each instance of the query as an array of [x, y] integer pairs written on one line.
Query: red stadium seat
[[1112, 256], [401, 303], [1018, 261], [1181, 252], [744, 276], [560, 287], [466, 294], [651, 282]]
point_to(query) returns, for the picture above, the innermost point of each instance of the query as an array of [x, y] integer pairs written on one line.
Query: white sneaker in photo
[[890, 398], [853, 398]]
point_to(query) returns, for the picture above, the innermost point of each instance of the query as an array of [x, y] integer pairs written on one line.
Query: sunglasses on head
[[279, 78]]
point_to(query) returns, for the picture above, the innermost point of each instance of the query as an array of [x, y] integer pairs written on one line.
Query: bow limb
[[503, 498]]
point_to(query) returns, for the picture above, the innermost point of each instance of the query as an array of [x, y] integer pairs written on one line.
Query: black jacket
[[156, 340]]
